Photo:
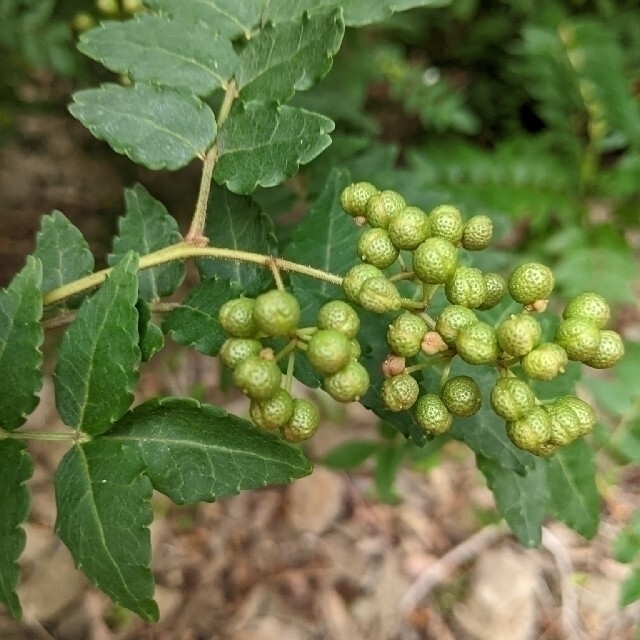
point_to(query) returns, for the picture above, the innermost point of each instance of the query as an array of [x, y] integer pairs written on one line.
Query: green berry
[[531, 432], [589, 306], [530, 282], [340, 316], [379, 295], [432, 414], [451, 320], [579, 338], [409, 228], [400, 392], [519, 334], [349, 384], [329, 351], [446, 222], [356, 277], [609, 352], [434, 261], [496, 288], [477, 233], [545, 361], [461, 395], [405, 334], [354, 198], [512, 399], [274, 412], [546, 449], [276, 313], [376, 248], [565, 424], [257, 377], [355, 350], [236, 318], [235, 350], [303, 422], [382, 206], [466, 287], [586, 414], [478, 344]]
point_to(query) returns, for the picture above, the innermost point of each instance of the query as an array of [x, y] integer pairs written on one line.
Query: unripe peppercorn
[[451, 320], [461, 395], [478, 344], [545, 361], [609, 352], [257, 377], [235, 350], [354, 198], [303, 422], [531, 432], [274, 412], [276, 313], [236, 318], [399, 393], [383, 206], [466, 287], [565, 424], [379, 295], [589, 306], [512, 398], [328, 351], [405, 334], [477, 233], [375, 247], [519, 334], [446, 222], [578, 337], [434, 261], [530, 282], [496, 288], [432, 414], [356, 277], [409, 228], [348, 384], [340, 316], [585, 413]]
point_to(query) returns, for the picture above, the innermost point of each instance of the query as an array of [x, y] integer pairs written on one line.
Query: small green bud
[[434, 261], [530, 282], [379, 295], [446, 222], [354, 198], [477, 233], [399, 393], [382, 207], [376, 248], [461, 395], [432, 414], [409, 228], [405, 334], [466, 287]]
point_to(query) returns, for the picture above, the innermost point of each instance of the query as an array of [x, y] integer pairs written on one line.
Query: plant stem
[[74, 436], [276, 274], [285, 350], [288, 381], [412, 304]]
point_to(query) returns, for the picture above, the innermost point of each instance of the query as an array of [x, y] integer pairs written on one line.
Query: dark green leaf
[[150, 336], [630, 589], [350, 454], [572, 484], [147, 227], [627, 544], [262, 144], [168, 52], [388, 461], [15, 500], [104, 512], [157, 127], [99, 358], [195, 452], [289, 57], [195, 322], [21, 336], [521, 499], [64, 252]]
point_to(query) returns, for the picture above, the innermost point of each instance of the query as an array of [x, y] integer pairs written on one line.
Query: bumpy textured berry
[[382, 206], [519, 334], [446, 222], [355, 350], [399, 393], [349, 384], [354, 198], [376, 248], [409, 228], [530, 282], [393, 365], [303, 422], [579, 338], [477, 343], [461, 395], [434, 261], [257, 377], [274, 412], [405, 334], [531, 432], [586, 414], [545, 361], [379, 295], [589, 306], [356, 277], [276, 313], [340, 316], [609, 352], [432, 414], [477, 233], [235, 350], [451, 320], [329, 350], [496, 288], [565, 425], [466, 287], [512, 399], [236, 318]]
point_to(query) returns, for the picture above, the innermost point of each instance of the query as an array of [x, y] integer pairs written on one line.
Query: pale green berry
[[379, 295], [356, 277], [340, 316], [579, 338], [512, 398], [382, 206], [303, 422], [435, 260], [586, 414], [446, 222], [461, 395], [466, 287], [531, 432], [609, 352], [274, 412], [589, 306], [328, 350], [235, 350], [530, 282], [409, 228], [545, 361], [432, 414], [354, 198], [399, 393], [355, 350], [565, 424], [375, 247], [477, 343], [257, 377], [519, 334], [477, 233], [349, 384], [451, 320], [496, 288], [276, 313], [236, 318], [405, 334]]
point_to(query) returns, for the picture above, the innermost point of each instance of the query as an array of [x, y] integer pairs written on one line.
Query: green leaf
[[15, 500], [153, 50], [627, 542], [237, 222], [572, 483], [104, 511], [63, 251], [630, 589], [195, 322], [21, 336], [99, 358], [350, 454], [147, 227], [388, 461], [521, 499], [150, 336], [157, 127], [195, 452], [262, 144], [289, 57]]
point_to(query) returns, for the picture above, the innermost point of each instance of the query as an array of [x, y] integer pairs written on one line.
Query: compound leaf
[[104, 512], [154, 50], [264, 143], [150, 336], [15, 470], [147, 227], [195, 452], [21, 336], [99, 358], [158, 127], [289, 57]]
